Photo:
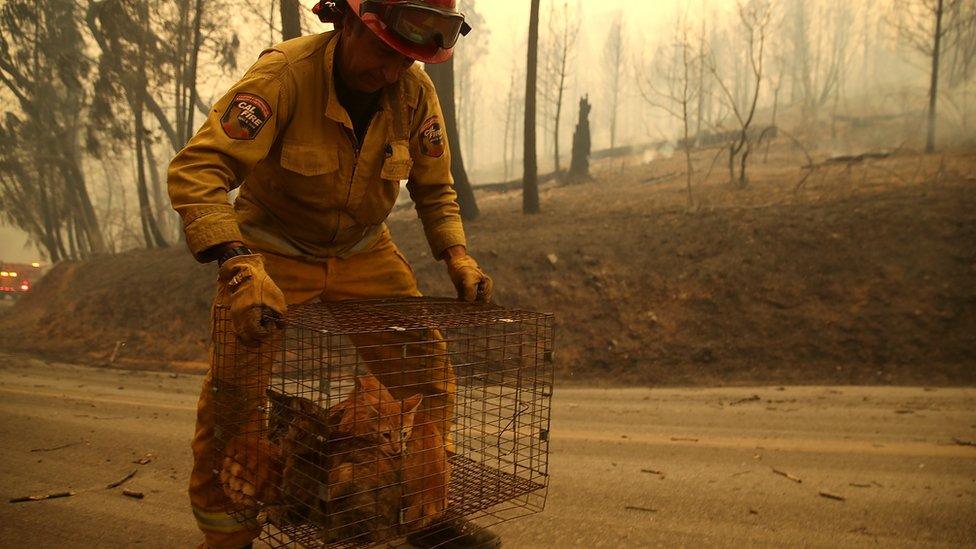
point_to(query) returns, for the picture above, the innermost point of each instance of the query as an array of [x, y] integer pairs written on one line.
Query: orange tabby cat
[[426, 473], [365, 459], [371, 412], [383, 463]]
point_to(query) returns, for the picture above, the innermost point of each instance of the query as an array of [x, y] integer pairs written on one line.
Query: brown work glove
[[251, 471], [471, 282], [252, 297]]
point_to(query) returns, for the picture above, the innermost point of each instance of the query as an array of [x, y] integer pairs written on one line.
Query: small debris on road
[[753, 512], [40, 498], [68, 445], [795, 479], [684, 439], [829, 495], [119, 344], [904, 411], [962, 442], [121, 480], [753, 398], [133, 494], [740, 473], [652, 471], [144, 459], [859, 485], [645, 509]]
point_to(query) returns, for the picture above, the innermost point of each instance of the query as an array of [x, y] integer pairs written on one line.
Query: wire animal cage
[[360, 422]]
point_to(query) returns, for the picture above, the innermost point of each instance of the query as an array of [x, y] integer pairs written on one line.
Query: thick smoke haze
[[824, 64]]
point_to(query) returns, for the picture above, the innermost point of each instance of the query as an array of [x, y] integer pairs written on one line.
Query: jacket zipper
[[351, 135], [357, 149]]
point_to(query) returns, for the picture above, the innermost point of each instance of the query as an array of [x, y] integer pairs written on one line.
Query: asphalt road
[[889, 453]]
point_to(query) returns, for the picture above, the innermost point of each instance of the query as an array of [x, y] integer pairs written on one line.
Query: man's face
[[367, 63]]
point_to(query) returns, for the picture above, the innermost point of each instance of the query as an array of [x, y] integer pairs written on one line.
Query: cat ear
[[411, 404]]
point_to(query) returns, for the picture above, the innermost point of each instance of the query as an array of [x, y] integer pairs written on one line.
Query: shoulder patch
[[245, 116], [432, 137]]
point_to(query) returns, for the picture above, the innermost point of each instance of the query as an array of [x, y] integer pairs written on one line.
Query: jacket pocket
[[309, 159], [308, 181], [397, 166]]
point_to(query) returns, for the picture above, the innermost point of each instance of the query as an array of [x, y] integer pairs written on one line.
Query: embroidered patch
[[245, 116], [432, 137]]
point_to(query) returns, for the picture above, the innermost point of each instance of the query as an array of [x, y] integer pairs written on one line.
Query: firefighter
[[317, 136]]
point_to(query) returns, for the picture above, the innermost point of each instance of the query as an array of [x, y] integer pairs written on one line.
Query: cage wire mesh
[[359, 422]]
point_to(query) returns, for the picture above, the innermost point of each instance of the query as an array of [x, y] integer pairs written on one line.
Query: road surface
[[896, 455]]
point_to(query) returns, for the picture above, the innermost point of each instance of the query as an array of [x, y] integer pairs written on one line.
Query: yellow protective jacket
[[307, 188]]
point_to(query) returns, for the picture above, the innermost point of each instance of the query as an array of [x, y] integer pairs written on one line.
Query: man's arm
[[432, 190], [238, 133], [430, 185]]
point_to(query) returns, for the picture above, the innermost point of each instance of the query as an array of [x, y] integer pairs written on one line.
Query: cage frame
[[507, 367]]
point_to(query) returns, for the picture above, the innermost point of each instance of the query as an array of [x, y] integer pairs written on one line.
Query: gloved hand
[[470, 281], [251, 295]]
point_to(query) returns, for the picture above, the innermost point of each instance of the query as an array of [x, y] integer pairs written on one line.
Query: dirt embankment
[[152, 304], [866, 275]]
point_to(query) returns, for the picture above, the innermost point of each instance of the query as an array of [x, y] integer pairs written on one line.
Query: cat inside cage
[[334, 446]]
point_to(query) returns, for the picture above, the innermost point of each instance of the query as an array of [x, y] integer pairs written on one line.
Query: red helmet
[[425, 30]]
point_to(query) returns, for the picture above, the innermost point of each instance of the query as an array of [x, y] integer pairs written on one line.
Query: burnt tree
[[291, 19], [43, 71], [579, 167], [530, 175], [443, 77]]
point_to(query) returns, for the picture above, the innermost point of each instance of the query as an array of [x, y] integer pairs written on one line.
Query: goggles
[[423, 25]]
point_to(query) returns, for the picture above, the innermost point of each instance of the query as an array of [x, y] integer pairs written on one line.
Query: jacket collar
[[333, 108]]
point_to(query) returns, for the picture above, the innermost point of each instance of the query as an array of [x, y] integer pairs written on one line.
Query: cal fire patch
[[245, 116], [432, 137]]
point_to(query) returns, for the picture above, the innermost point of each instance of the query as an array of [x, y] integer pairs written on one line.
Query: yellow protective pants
[[379, 272]]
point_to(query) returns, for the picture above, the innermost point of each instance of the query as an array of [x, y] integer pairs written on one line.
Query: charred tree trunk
[[72, 240], [934, 87], [530, 174], [50, 231], [579, 166], [511, 118], [700, 107], [181, 48], [161, 207], [150, 230], [191, 76], [291, 19], [559, 108], [77, 198], [443, 77]]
